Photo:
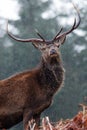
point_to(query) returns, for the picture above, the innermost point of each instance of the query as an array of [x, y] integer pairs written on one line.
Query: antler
[[42, 40], [75, 25], [57, 34], [39, 35]]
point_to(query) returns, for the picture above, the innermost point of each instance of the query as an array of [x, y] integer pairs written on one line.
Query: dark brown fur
[[25, 95]]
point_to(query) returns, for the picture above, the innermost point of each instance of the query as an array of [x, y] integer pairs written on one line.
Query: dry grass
[[79, 122]]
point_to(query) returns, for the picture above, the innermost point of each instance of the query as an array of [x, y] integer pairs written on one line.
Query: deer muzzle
[[53, 52]]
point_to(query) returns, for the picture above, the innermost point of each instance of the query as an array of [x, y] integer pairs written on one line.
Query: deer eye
[[58, 46]]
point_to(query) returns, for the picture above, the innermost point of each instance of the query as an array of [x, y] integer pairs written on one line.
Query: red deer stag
[[25, 95]]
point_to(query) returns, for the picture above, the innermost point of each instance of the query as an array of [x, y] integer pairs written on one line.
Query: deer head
[[49, 48]]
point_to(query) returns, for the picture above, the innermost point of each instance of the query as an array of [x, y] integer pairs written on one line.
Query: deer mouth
[[53, 55]]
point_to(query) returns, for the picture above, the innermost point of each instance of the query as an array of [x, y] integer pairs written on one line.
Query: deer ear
[[36, 45], [62, 39]]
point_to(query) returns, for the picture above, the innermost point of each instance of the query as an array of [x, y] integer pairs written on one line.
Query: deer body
[[25, 95], [29, 93]]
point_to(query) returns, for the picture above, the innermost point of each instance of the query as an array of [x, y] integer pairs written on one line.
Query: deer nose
[[53, 51]]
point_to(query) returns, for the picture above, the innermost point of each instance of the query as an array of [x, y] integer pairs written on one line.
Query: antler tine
[[57, 34], [74, 25], [78, 15], [39, 35], [23, 40]]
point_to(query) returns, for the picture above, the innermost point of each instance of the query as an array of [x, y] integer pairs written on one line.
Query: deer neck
[[51, 73]]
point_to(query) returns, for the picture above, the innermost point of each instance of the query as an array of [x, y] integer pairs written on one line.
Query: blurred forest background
[[48, 18]]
